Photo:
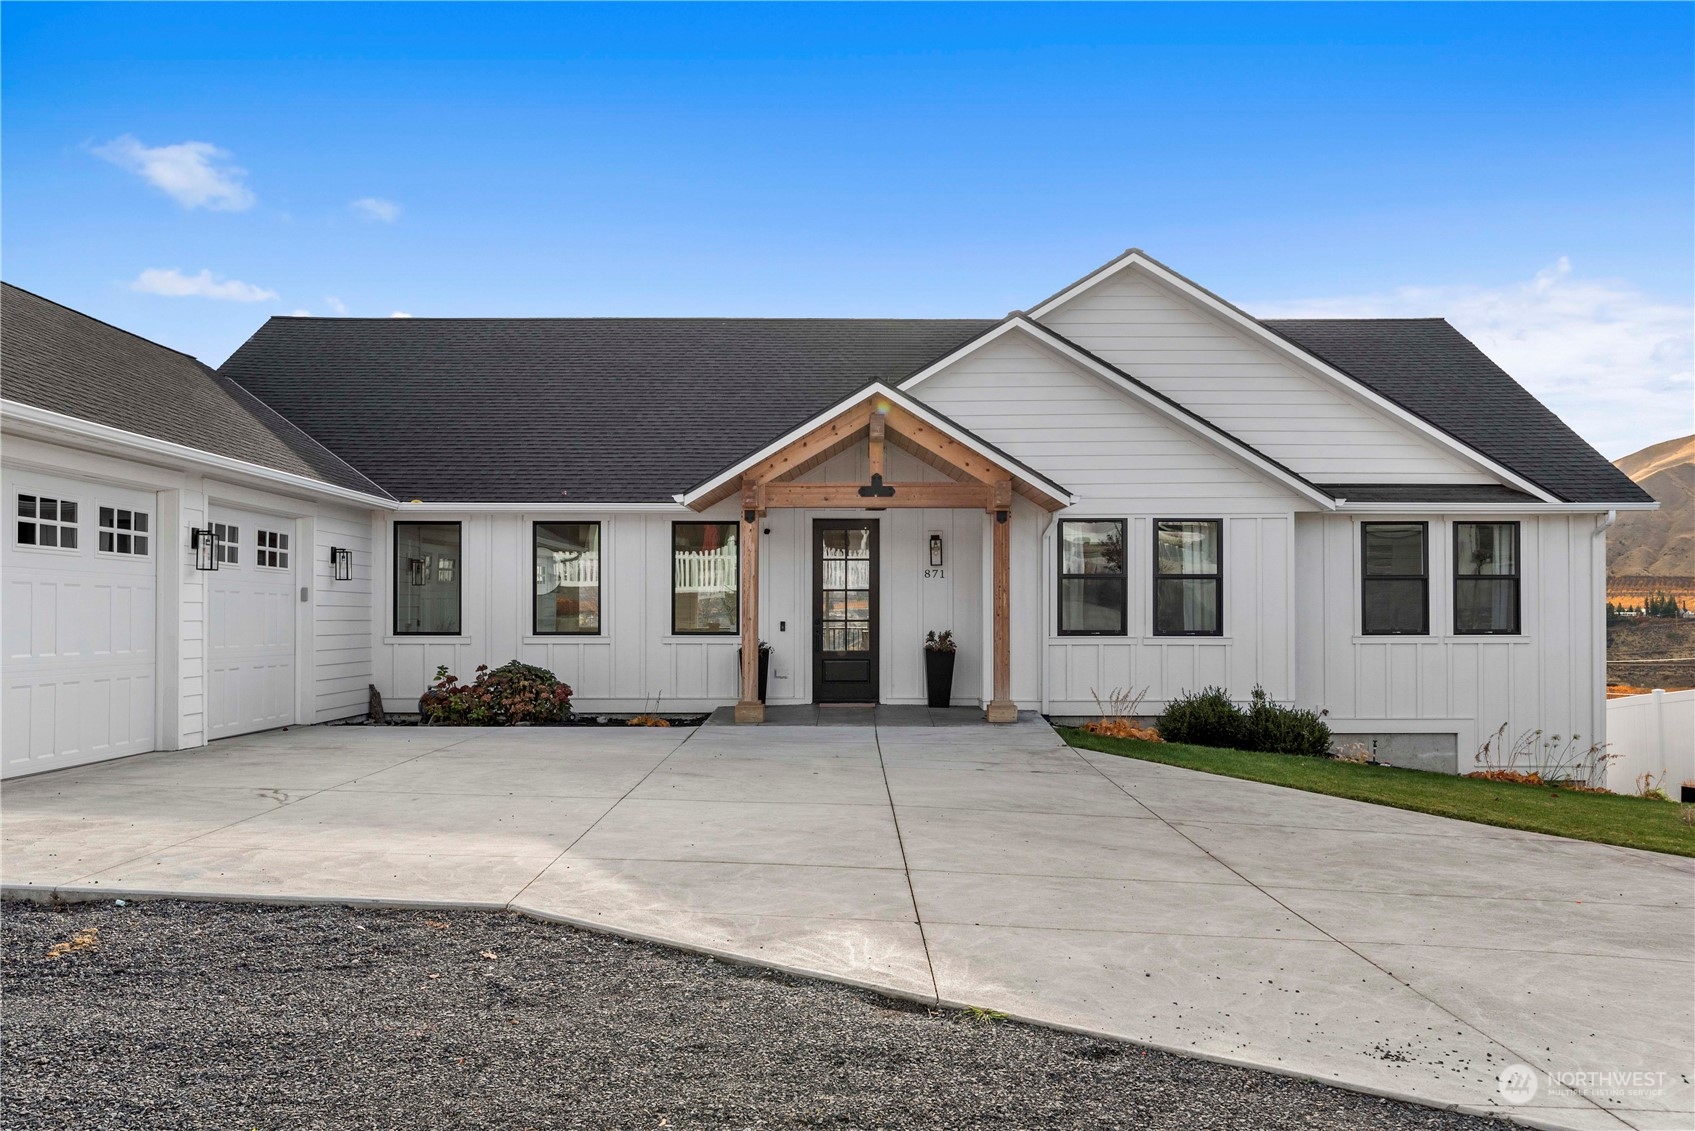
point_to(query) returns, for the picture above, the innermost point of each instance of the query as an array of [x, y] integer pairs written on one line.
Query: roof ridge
[[332, 318], [100, 321]]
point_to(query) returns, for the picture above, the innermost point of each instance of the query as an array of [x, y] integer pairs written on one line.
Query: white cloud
[[1616, 363], [189, 172], [336, 305], [376, 208], [400, 314], [170, 281], [301, 313]]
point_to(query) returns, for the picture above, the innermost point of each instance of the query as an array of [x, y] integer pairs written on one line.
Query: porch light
[[342, 559], [935, 549], [205, 549], [415, 570]]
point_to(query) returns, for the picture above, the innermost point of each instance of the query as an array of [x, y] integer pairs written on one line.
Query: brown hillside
[[1657, 543]]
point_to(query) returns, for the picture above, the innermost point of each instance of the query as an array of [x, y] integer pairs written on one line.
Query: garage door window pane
[[426, 578], [567, 577], [118, 528], [47, 522]]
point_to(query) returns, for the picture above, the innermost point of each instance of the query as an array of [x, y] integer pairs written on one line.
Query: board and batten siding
[[1296, 417], [1549, 676], [1123, 461], [342, 672]]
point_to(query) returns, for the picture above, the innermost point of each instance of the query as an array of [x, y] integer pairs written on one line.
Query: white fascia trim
[[1055, 343], [134, 443], [419, 507], [1344, 507], [875, 390], [1294, 353]]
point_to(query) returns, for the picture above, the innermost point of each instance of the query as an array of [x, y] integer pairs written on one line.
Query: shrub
[[1205, 718], [510, 694], [1286, 730]]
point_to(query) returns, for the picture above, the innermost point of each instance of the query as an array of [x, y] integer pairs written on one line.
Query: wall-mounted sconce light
[[935, 550], [415, 570], [205, 549], [342, 559]]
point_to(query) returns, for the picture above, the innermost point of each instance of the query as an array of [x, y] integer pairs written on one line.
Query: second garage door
[[250, 623]]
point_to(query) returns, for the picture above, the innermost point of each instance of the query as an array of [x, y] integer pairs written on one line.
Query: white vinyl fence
[[1651, 734]]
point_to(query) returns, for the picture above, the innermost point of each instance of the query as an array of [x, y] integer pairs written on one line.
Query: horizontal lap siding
[[1296, 418], [1548, 677], [1122, 460], [342, 671]]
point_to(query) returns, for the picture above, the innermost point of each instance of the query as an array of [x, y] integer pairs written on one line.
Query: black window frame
[[737, 630], [1516, 577], [1366, 580], [599, 586], [394, 579], [1123, 577], [1217, 577]]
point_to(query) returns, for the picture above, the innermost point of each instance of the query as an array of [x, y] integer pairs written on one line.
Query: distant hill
[[1657, 543]]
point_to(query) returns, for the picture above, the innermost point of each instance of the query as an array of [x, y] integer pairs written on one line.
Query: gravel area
[[177, 1014]]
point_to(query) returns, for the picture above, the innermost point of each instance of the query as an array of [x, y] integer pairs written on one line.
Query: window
[[1486, 578], [567, 577], [1395, 579], [426, 578], [226, 543], [123, 531], [1091, 577], [705, 572], [1188, 584], [47, 522], [271, 549]]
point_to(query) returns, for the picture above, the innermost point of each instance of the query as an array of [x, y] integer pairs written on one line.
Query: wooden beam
[[879, 420], [1001, 708], [750, 708], [945, 446], [940, 496], [825, 436]]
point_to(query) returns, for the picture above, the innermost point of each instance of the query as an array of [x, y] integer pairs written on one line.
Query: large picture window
[[705, 577], [1486, 579], [427, 578], [1188, 577], [567, 578], [1091, 577], [1395, 579]]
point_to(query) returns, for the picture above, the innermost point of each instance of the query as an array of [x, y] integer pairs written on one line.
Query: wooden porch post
[[1001, 708], [750, 709]]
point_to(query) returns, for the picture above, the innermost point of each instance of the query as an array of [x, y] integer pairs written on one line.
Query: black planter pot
[[938, 673], [764, 670]]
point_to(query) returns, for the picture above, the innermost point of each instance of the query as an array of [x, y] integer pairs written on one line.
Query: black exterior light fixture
[[342, 559], [415, 570], [935, 550], [205, 548]]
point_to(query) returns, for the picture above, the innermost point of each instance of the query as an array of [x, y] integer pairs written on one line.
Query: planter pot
[[938, 673], [764, 670]]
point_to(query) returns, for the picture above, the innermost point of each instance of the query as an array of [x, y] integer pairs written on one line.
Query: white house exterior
[[1132, 485]]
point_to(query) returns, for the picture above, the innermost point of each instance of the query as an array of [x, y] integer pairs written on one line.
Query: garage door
[[79, 580], [250, 623]]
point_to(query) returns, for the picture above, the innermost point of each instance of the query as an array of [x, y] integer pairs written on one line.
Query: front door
[[844, 625]]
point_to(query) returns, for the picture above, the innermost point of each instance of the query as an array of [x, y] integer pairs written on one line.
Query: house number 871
[[935, 572]]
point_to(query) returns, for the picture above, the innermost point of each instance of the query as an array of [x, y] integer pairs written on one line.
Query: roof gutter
[[1610, 509], [121, 442]]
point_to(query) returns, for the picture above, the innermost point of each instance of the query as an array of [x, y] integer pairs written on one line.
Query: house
[[1131, 484]]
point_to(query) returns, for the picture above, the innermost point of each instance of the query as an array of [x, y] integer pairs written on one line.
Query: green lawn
[[1608, 818]]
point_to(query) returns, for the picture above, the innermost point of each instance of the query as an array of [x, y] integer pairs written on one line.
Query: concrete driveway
[[1382, 950]]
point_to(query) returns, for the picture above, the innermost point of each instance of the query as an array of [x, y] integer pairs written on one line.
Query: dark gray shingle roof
[[54, 358], [606, 409], [1432, 370], [1428, 493]]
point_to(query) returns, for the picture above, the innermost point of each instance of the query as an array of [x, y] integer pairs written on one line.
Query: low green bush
[[1204, 718], [1286, 730], [510, 694], [1210, 718]]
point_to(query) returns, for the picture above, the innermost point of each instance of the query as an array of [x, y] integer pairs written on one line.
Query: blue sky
[[1525, 169]]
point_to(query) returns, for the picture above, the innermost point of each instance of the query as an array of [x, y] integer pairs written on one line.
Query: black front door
[[844, 624]]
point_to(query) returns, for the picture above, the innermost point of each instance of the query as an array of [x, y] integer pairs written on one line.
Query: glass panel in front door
[[846, 577]]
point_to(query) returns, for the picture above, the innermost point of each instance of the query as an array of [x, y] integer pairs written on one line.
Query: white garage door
[[78, 563], [250, 623]]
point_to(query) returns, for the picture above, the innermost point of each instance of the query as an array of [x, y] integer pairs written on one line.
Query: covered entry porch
[[868, 502]]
